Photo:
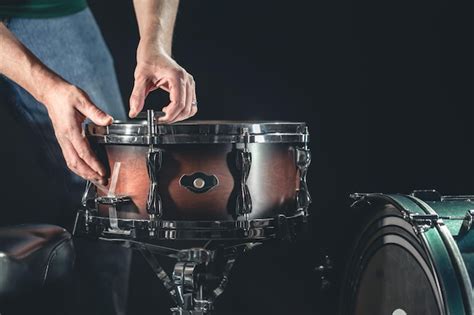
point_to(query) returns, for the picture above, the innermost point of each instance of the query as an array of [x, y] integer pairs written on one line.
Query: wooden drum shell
[[273, 180]]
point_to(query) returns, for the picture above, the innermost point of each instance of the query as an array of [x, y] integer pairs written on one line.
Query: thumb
[[137, 99], [94, 113]]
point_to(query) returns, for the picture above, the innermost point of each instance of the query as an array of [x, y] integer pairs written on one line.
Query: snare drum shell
[[273, 180]]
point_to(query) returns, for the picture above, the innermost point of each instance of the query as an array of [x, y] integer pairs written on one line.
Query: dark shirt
[[40, 8]]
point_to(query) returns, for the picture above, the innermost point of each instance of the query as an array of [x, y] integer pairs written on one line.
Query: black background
[[385, 87]]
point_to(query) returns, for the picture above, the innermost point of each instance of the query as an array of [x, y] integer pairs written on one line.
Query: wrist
[[153, 45], [46, 85]]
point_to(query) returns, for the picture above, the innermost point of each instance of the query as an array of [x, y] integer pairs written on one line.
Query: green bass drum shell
[[412, 254]]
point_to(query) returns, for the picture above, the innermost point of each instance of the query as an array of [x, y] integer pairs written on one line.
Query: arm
[[155, 67], [67, 105]]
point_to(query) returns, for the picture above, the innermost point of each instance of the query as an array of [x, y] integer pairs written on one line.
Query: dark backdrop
[[385, 87]]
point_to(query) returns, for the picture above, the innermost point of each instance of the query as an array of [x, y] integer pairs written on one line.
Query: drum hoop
[[200, 139], [258, 229], [266, 132]]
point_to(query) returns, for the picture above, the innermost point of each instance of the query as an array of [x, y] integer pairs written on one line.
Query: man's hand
[[156, 69], [68, 107]]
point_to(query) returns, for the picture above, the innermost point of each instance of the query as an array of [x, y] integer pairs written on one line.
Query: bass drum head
[[388, 270]]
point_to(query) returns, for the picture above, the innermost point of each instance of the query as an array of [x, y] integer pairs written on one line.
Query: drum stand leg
[[199, 275]]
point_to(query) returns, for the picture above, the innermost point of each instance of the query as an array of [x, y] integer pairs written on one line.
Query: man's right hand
[[68, 107]]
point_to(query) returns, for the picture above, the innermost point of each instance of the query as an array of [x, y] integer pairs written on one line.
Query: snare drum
[[199, 175]]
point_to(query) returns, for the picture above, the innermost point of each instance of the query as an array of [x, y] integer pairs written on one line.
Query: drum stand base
[[199, 276]]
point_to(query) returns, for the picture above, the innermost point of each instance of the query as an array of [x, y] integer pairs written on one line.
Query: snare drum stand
[[199, 275]]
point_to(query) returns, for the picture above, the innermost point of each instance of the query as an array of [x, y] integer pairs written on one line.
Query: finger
[[84, 151], [194, 108], [137, 99], [178, 100], [76, 164], [88, 109], [186, 112]]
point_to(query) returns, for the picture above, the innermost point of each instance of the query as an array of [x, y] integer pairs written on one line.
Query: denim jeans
[[73, 47]]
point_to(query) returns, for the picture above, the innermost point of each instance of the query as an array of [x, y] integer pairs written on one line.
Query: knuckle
[[72, 164], [82, 154]]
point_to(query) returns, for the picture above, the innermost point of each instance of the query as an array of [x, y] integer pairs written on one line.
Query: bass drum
[[413, 254]]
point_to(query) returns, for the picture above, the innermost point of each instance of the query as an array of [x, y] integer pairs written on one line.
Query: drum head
[[389, 271], [394, 282]]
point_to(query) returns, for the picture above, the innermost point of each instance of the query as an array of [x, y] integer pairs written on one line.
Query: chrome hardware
[[154, 160], [303, 160], [324, 270], [467, 223], [423, 222], [244, 162], [469, 198], [196, 255], [112, 200], [159, 230], [144, 115], [89, 195], [199, 182], [137, 132], [160, 273]]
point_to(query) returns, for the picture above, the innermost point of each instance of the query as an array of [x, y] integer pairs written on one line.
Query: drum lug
[[467, 223], [154, 160], [423, 222], [303, 160], [244, 162]]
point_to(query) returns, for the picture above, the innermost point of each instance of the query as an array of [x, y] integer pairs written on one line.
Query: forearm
[[21, 66], [156, 20]]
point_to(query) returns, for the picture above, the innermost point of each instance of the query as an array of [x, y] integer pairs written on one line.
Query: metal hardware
[[427, 195], [199, 182], [423, 222], [112, 200], [303, 160], [136, 132], [89, 195], [468, 198], [158, 230], [467, 223], [154, 161], [324, 270], [144, 115], [161, 274], [244, 162]]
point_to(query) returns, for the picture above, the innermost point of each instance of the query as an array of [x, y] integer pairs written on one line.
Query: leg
[[73, 47]]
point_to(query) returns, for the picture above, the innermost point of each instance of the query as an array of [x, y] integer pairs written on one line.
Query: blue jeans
[[73, 47]]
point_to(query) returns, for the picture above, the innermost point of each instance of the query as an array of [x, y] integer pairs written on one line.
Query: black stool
[[36, 261]]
